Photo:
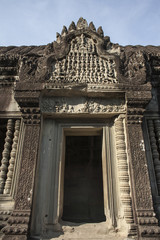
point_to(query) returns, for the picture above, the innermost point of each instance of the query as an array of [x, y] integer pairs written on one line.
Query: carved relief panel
[[76, 105], [83, 65]]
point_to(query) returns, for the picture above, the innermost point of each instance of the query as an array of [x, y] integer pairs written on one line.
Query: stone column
[[18, 222], [5, 154], [146, 221], [8, 183]]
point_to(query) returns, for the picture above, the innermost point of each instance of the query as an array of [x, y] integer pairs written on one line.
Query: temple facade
[[80, 139]]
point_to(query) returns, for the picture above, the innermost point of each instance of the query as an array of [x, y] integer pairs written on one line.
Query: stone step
[[87, 231], [87, 238]]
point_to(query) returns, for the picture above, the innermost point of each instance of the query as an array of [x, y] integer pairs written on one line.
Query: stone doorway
[[50, 217], [83, 183]]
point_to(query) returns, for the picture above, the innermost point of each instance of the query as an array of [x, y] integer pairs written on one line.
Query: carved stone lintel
[[77, 105]]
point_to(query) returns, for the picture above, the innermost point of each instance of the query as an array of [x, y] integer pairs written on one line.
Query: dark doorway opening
[[83, 184]]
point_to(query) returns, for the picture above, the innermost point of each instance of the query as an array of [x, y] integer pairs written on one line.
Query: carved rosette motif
[[123, 170], [5, 154], [154, 136], [83, 65], [8, 182]]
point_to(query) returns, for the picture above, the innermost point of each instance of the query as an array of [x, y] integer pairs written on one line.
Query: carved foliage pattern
[[140, 170], [83, 65], [123, 170], [26, 178]]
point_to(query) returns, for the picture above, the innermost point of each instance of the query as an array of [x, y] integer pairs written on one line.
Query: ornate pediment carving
[[83, 65], [81, 54]]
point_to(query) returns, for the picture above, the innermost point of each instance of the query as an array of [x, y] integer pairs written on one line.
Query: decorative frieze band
[[123, 170], [76, 105]]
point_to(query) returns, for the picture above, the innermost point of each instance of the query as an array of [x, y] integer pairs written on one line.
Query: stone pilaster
[[18, 222], [146, 221], [123, 171]]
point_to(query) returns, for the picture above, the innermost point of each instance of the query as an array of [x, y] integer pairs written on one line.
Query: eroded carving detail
[[82, 105], [123, 170], [5, 154], [134, 65], [83, 65], [8, 182]]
